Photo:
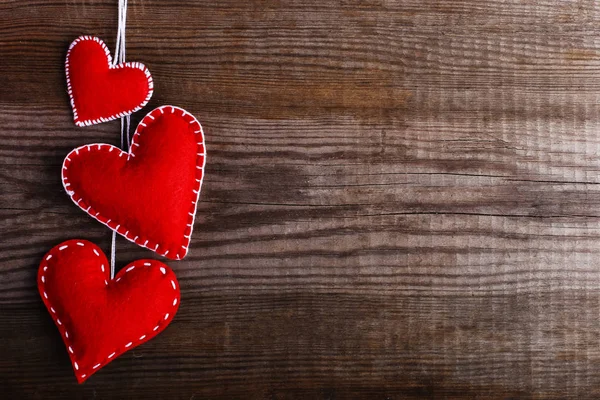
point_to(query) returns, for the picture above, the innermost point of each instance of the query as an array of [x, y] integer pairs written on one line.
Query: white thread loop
[[120, 47], [125, 121]]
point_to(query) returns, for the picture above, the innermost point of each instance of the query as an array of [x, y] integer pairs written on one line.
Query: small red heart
[[99, 90], [99, 318], [148, 195]]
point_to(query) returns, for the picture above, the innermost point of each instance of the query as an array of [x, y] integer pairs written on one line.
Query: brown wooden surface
[[402, 198]]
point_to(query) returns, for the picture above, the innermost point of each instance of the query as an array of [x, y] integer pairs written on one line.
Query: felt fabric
[[99, 318], [148, 195], [100, 91]]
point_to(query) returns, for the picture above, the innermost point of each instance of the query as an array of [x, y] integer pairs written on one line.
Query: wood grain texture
[[402, 198]]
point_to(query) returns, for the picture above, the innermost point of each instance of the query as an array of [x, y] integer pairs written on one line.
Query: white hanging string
[[125, 121]]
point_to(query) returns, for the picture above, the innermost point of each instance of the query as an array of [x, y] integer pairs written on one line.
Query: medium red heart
[[99, 318], [148, 195], [99, 90]]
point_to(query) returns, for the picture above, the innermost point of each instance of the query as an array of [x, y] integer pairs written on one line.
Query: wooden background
[[402, 198]]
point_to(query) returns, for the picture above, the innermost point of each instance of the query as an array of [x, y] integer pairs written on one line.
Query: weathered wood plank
[[401, 198]]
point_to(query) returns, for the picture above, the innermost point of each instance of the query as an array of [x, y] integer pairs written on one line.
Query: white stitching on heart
[[200, 163], [136, 65], [61, 326]]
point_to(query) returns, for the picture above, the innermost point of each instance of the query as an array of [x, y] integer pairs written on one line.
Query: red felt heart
[[99, 90], [148, 195], [99, 318]]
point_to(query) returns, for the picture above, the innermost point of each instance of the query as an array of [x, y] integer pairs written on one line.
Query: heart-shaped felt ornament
[[99, 90], [148, 195], [99, 318]]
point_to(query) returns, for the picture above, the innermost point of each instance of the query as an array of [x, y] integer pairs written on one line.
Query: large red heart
[[99, 90], [148, 195], [99, 318]]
